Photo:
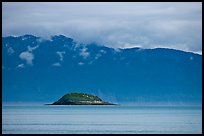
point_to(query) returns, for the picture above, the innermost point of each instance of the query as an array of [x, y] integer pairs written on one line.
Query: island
[[79, 98]]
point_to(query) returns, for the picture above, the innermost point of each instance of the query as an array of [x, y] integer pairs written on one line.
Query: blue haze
[[132, 75]]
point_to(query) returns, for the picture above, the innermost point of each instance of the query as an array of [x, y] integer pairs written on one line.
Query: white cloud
[[57, 64], [21, 66], [10, 50], [117, 50], [61, 55], [84, 53], [27, 56], [198, 52], [32, 48], [111, 24]]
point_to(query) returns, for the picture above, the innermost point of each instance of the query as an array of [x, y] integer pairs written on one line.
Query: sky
[[119, 25]]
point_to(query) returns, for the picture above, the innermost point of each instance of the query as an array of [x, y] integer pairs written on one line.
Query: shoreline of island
[[78, 98]]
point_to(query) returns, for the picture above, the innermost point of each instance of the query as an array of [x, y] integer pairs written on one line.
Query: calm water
[[102, 119]]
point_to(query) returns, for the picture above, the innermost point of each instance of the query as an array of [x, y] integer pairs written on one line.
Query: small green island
[[78, 98]]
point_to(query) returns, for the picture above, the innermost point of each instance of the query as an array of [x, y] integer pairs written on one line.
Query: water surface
[[48, 119]]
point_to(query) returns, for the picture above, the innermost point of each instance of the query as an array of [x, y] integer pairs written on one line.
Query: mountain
[[36, 69], [78, 98]]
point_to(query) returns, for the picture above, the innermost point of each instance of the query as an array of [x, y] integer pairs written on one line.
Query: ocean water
[[47, 119]]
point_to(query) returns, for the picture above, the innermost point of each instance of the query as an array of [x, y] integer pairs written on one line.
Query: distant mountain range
[[36, 69]]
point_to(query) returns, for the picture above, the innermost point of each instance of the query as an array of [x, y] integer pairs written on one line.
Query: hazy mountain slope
[[34, 69]]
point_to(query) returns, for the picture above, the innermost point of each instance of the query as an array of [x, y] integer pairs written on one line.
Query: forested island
[[79, 98]]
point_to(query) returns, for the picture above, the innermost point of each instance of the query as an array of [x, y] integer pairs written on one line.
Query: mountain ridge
[[60, 64], [66, 37]]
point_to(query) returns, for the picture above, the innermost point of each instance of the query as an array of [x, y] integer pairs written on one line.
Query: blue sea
[[122, 119]]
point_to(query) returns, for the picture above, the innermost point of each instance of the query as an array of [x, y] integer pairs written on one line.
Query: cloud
[[10, 51], [148, 25], [21, 66], [198, 52], [32, 48], [61, 55], [84, 53], [27, 56], [57, 64]]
